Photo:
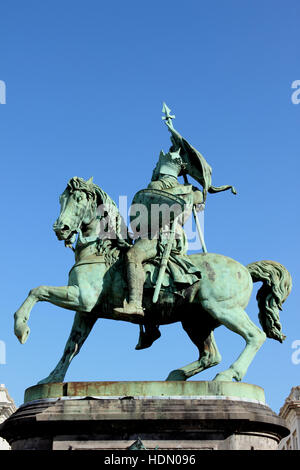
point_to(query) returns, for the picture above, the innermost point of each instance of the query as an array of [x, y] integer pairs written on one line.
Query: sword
[[164, 262]]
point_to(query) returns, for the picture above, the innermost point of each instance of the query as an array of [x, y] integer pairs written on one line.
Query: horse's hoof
[[25, 335], [47, 380], [223, 377], [22, 332], [176, 374]]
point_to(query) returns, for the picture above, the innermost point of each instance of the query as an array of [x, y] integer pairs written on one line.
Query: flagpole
[[168, 119], [197, 221]]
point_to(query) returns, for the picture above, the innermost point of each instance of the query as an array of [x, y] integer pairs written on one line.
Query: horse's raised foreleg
[[82, 326], [209, 356], [69, 297], [236, 319]]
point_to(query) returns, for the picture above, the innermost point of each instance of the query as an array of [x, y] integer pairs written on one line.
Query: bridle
[[82, 240]]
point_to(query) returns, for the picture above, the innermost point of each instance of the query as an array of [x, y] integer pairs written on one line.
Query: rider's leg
[[141, 251], [148, 334]]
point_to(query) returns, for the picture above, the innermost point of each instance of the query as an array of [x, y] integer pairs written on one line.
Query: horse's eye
[[77, 197]]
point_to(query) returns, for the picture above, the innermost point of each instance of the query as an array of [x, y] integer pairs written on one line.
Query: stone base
[[159, 415]]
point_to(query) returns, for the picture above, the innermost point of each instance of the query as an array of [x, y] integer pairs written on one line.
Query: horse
[[97, 285]]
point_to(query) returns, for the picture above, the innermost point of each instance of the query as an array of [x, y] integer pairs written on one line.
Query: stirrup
[[130, 312]]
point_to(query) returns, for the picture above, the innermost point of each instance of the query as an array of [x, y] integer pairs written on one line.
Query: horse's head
[[78, 206]]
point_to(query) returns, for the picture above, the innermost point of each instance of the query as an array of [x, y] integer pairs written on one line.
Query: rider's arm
[[197, 195], [156, 185]]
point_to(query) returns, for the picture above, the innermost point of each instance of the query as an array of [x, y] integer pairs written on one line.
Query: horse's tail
[[277, 284]]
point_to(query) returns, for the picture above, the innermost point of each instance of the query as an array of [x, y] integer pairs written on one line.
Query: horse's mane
[[93, 191]]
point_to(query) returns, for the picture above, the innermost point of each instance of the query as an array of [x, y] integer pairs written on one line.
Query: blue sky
[[85, 83]]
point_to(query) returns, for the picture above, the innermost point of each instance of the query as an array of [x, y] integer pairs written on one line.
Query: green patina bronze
[[153, 281], [146, 389]]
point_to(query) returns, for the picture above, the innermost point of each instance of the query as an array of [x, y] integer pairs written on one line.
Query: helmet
[[168, 164]]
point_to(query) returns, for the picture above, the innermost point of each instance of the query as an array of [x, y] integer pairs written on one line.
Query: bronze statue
[[153, 281]]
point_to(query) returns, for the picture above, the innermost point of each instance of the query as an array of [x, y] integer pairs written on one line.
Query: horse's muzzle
[[62, 231]]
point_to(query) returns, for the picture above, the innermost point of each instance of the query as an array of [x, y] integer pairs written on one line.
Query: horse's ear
[[90, 181]]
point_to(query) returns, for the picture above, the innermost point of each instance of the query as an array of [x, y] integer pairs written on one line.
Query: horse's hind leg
[[82, 326], [209, 356], [236, 319]]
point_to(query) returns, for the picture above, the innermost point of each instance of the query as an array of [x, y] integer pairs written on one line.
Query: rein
[[94, 260]]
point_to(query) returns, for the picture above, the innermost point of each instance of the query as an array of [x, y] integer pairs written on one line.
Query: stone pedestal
[[159, 415], [7, 407]]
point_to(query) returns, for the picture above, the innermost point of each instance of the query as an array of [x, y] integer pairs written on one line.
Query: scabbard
[[164, 262]]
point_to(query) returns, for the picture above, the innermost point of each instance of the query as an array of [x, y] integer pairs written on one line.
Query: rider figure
[[182, 159], [164, 178]]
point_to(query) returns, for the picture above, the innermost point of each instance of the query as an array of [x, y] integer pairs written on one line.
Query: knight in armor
[[181, 160], [164, 178]]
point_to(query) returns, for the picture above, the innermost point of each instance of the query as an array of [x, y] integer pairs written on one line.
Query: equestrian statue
[[145, 276]]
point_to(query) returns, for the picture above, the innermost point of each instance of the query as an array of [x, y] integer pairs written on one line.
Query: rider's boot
[[133, 310], [147, 336]]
